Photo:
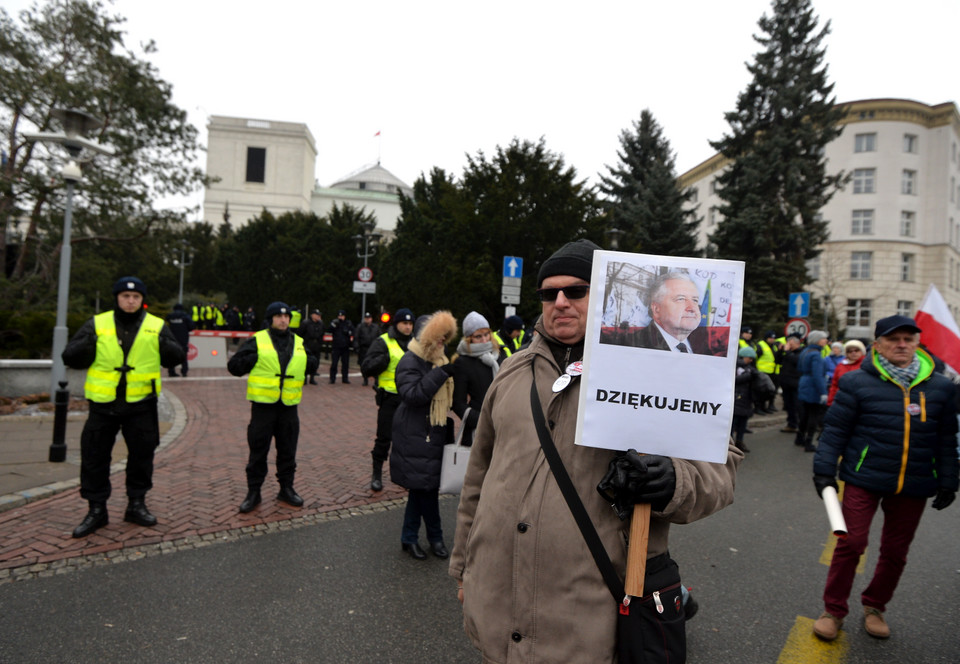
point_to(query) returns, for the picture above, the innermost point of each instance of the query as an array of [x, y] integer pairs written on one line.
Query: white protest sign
[[660, 355]]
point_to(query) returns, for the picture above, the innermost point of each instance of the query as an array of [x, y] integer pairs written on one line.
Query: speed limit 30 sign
[[797, 326], [365, 274]]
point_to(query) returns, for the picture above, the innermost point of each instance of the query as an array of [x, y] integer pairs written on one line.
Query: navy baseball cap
[[887, 325]]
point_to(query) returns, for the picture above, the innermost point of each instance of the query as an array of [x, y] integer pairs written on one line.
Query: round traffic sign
[[797, 326], [365, 274]]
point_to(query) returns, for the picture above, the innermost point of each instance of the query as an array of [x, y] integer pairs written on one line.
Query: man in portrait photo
[[674, 303]]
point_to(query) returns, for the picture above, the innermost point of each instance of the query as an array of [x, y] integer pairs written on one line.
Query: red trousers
[[901, 516]]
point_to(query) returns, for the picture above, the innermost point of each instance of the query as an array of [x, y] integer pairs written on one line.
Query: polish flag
[[940, 332]]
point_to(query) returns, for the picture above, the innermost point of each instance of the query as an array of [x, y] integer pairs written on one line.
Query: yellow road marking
[[803, 647], [827, 554]]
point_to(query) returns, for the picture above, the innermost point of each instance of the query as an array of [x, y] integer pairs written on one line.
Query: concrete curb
[[167, 400]]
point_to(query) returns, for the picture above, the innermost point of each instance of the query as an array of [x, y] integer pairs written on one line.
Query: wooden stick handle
[[637, 552]]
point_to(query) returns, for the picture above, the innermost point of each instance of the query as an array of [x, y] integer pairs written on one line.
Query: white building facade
[[265, 164], [894, 228]]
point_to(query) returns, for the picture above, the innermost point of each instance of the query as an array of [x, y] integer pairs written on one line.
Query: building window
[[906, 267], [865, 143], [713, 186], [860, 264], [910, 143], [712, 219], [858, 313], [362, 185], [904, 308], [862, 222], [256, 164], [813, 268], [863, 180], [953, 190], [907, 223], [908, 184], [694, 194]]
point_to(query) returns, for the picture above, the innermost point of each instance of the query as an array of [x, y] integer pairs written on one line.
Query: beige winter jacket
[[532, 592]]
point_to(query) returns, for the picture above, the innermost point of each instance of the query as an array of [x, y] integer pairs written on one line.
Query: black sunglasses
[[570, 292]]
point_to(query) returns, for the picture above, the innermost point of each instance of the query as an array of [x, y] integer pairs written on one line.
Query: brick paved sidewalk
[[199, 478]]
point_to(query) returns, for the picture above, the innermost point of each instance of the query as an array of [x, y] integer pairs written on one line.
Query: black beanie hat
[[275, 308], [129, 284], [574, 259]]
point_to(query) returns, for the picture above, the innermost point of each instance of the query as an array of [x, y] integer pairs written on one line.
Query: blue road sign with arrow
[[799, 305], [512, 266]]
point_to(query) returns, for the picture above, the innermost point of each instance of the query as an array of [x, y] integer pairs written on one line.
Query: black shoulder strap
[[590, 535]]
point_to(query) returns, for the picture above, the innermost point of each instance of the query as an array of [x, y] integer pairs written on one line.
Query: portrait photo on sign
[[668, 307], [659, 356]]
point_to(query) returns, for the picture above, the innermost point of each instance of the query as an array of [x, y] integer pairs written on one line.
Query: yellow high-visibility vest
[[388, 377], [143, 361], [765, 362], [265, 384]]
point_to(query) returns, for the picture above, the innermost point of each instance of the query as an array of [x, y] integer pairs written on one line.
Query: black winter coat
[[342, 333], [747, 377], [417, 452], [471, 380], [789, 362], [890, 440]]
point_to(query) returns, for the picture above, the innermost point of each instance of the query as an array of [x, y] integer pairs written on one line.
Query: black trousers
[[141, 432], [389, 402], [341, 355], [791, 404], [811, 417], [272, 421]]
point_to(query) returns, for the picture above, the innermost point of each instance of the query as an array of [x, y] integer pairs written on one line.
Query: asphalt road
[[343, 591]]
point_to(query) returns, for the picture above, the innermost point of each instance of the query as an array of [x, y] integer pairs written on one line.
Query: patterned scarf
[[901, 375]]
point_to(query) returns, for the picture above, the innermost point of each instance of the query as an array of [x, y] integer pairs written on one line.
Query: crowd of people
[[884, 419]]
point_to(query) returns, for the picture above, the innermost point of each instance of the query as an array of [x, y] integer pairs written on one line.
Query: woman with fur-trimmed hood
[[425, 385]]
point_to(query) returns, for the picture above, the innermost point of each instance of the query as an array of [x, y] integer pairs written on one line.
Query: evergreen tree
[[645, 201], [777, 182], [452, 235]]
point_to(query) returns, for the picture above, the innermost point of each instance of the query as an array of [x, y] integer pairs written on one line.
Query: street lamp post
[[182, 264], [76, 125], [613, 236], [367, 244]]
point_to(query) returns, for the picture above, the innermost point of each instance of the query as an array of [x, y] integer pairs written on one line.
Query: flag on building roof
[[940, 332]]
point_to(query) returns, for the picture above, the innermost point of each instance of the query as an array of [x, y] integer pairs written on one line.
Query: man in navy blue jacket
[[892, 430]]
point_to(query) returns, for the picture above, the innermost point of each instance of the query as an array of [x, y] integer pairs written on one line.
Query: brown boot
[[874, 623], [827, 626]]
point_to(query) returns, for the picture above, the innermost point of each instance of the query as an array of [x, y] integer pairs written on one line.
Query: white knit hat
[[474, 322]]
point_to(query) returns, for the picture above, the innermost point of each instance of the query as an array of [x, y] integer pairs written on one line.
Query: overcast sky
[[443, 79]]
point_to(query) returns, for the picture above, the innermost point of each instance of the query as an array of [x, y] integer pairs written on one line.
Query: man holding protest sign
[[513, 516]]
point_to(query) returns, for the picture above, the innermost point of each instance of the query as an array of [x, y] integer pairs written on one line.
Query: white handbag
[[455, 459]]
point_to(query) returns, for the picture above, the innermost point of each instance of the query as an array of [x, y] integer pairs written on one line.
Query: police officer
[[181, 325], [766, 350], [278, 364], [510, 337], [312, 334], [367, 331], [381, 362], [341, 330], [123, 351]]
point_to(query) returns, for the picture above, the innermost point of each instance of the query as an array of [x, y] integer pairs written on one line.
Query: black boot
[[376, 482], [742, 447], [251, 501], [313, 380], [138, 513], [289, 496], [96, 518]]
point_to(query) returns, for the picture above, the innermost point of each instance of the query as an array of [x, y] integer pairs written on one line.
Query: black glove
[[823, 481], [632, 478], [943, 498], [447, 369]]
